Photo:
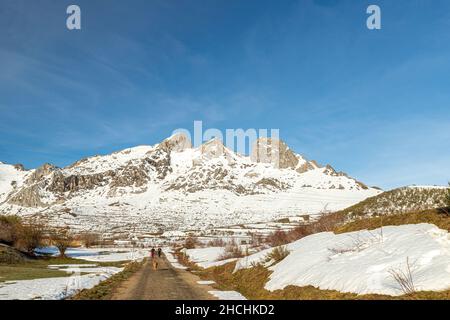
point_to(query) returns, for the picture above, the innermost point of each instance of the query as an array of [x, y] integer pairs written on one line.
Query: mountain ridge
[[174, 180]]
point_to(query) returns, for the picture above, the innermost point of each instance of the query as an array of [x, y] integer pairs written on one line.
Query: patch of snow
[[361, 262], [172, 259], [59, 266], [206, 282], [10, 178], [208, 257], [50, 288], [227, 295]]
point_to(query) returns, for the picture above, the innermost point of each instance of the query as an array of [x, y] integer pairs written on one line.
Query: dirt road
[[166, 283]]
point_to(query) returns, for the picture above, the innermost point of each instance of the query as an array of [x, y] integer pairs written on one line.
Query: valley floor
[[356, 261]]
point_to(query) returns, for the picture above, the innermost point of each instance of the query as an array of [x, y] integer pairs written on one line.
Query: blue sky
[[372, 103]]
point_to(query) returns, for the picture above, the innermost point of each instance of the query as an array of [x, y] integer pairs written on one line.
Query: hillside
[[401, 200]]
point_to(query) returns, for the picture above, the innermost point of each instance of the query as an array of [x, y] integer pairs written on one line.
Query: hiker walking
[[154, 259], [159, 252]]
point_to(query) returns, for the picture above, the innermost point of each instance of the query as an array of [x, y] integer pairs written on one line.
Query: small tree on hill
[[62, 239]]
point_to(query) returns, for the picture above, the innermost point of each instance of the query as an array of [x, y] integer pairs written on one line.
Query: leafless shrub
[[217, 242], [327, 222], [90, 239], [9, 229], [232, 250], [278, 254], [191, 242], [404, 277], [24, 237], [278, 238], [62, 239], [257, 239], [29, 238]]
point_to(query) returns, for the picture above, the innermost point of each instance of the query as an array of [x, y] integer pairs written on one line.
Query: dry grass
[[404, 277], [250, 282], [232, 250], [278, 254], [437, 217]]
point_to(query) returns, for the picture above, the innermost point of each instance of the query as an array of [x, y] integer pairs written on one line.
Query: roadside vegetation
[[250, 282], [277, 254], [105, 289]]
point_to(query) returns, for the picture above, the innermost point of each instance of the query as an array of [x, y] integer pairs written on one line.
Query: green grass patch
[[37, 268], [14, 273]]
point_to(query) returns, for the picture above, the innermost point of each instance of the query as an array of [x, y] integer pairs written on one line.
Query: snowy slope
[[362, 262], [172, 186], [208, 257], [11, 178]]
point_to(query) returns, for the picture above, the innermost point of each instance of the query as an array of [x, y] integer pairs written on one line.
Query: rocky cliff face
[[277, 153]]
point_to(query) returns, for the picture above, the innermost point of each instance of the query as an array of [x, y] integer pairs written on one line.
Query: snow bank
[[208, 257], [53, 288], [206, 282], [361, 262], [172, 259], [204, 256], [227, 295]]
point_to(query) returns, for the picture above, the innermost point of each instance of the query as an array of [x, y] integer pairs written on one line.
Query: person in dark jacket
[[159, 252], [152, 253]]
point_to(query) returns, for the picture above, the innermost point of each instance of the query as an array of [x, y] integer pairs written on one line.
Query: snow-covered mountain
[[173, 186]]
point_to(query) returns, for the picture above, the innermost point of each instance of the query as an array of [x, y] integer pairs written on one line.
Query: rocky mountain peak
[[176, 143], [172, 179], [18, 167], [41, 172], [215, 148], [277, 153]]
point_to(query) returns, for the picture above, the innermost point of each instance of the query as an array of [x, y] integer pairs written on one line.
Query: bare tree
[[404, 278], [90, 239], [30, 237], [9, 229], [62, 239], [190, 242]]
